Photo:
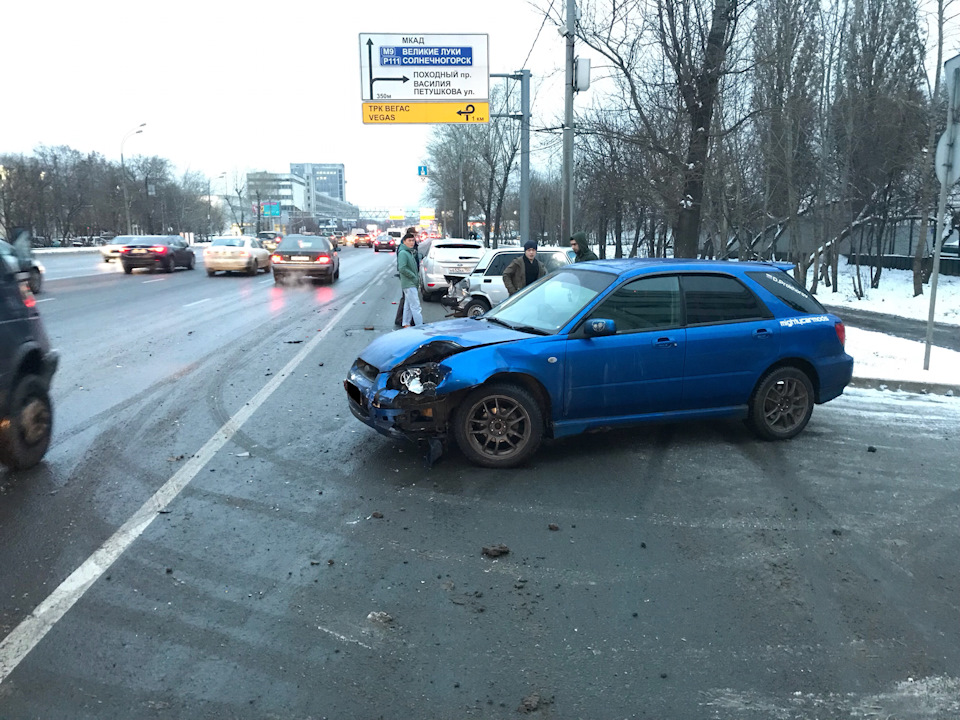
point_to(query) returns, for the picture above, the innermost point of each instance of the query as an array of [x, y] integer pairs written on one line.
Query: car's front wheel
[[35, 283], [498, 425], [191, 261], [25, 437], [782, 404]]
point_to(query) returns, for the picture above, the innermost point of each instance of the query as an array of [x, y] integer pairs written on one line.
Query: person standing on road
[[409, 280], [398, 322], [524, 270], [578, 243]]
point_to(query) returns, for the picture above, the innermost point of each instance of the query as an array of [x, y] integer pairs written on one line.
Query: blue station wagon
[[603, 344]]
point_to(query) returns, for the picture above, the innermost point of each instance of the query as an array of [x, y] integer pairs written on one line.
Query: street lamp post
[[123, 172]]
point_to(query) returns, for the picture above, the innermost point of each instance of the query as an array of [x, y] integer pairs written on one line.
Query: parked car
[[483, 288], [270, 239], [386, 242], [27, 365], [157, 252], [604, 344], [309, 256], [951, 246], [237, 253], [362, 239], [445, 262]]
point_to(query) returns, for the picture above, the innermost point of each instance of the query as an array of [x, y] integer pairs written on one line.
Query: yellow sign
[[389, 113], [398, 214], [427, 214]]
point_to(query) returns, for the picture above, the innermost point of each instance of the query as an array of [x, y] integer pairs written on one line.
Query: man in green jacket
[[409, 280], [578, 243]]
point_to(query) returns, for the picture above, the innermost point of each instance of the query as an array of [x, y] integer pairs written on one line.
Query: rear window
[[788, 291], [303, 242], [458, 246], [267, 235], [720, 299], [227, 242]]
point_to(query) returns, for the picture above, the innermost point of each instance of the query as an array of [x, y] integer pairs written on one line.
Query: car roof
[[625, 266]]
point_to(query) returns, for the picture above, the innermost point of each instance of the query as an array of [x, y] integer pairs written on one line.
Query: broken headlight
[[416, 379]]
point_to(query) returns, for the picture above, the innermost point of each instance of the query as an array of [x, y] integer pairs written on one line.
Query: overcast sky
[[228, 86]]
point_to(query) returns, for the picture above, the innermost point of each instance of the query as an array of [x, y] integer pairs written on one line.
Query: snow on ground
[[876, 355]]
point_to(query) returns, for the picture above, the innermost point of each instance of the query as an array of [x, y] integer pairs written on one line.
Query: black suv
[[27, 365]]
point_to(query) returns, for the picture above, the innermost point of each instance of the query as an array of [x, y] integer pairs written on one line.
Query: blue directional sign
[[422, 171], [409, 56]]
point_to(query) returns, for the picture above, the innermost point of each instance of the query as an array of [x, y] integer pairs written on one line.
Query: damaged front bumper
[[398, 413]]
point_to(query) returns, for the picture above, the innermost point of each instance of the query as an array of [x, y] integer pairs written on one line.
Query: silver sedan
[[239, 253]]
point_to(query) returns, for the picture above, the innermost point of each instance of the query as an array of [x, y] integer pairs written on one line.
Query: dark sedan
[[157, 252], [305, 256]]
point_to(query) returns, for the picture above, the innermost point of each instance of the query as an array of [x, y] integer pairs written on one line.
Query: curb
[[922, 388]]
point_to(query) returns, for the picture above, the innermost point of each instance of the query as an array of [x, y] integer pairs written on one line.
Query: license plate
[[300, 258], [139, 252], [459, 269]]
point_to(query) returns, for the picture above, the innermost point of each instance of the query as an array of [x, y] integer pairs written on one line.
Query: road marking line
[[46, 300], [15, 646], [157, 280], [198, 302]]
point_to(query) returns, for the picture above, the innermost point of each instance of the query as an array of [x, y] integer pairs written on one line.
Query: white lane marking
[[15, 646], [157, 280], [198, 302], [46, 300]]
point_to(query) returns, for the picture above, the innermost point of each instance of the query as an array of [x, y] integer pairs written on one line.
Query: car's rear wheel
[[25, 438], [252, 267], [127, 268], [211, 273], [35, 283], [476, 307], [498, 425], [781, 404], [171, 266]]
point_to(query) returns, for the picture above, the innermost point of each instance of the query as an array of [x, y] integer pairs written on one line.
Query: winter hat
[[530, 245], [580, 237]]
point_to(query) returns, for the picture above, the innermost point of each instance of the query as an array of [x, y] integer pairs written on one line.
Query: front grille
[[367, 370]]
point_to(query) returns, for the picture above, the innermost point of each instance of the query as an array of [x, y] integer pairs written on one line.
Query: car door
[[637, 371], [491, 284], [732, 337]]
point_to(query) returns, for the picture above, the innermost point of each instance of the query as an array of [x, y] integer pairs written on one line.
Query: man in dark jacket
[[524, 270], [578, 243]]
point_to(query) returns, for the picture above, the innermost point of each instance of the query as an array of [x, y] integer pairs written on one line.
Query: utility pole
[[566, 204]]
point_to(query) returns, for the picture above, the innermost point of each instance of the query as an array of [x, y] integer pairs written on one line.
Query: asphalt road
[[694, 572]]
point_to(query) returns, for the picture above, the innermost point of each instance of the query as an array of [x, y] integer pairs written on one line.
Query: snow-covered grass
[[888, 357]]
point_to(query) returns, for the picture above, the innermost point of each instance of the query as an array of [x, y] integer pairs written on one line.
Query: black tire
[[211, 273], [35, 282], [781, 404], [277, 279], [476, 307], [170, 266], [192, 262], [336, 273], [376, 249], [252, 267], [127, 269], [25, 439], [498, 425]]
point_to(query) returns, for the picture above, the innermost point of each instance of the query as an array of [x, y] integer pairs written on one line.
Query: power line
[[546, 15]]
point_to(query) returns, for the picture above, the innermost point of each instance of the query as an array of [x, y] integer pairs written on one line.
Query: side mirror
[[599, 327]]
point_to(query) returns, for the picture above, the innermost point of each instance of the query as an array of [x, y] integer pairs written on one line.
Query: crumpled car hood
[[388, 351]]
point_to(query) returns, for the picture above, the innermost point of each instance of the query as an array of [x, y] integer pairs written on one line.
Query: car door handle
[[488, 280], [761, 333], [665, 342]]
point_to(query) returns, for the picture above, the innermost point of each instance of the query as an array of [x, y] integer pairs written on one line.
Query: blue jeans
[[411, 307]]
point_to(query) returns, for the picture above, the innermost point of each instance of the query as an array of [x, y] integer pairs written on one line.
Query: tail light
[[244, 253], [323, 259], [276, 258], [159, 249], [841, 333], [28, 299], [124, 250]]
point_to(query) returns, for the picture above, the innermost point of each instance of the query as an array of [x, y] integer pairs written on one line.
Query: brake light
[[159, 249], [841, 333], [276, 258], [323, 259], [28, 299], [124, 249], [244, 253]]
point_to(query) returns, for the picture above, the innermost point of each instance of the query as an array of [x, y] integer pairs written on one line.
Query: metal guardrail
[[948, 265]]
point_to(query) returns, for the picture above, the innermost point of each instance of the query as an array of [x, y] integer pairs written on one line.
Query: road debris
[[376, 514], [553, 526], [380, 617], [496, 550]]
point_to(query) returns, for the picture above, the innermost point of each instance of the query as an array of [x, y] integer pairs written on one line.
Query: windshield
[[552, 302]]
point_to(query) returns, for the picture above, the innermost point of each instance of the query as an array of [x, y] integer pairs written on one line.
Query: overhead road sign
[[431, 112], [413, 68]]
